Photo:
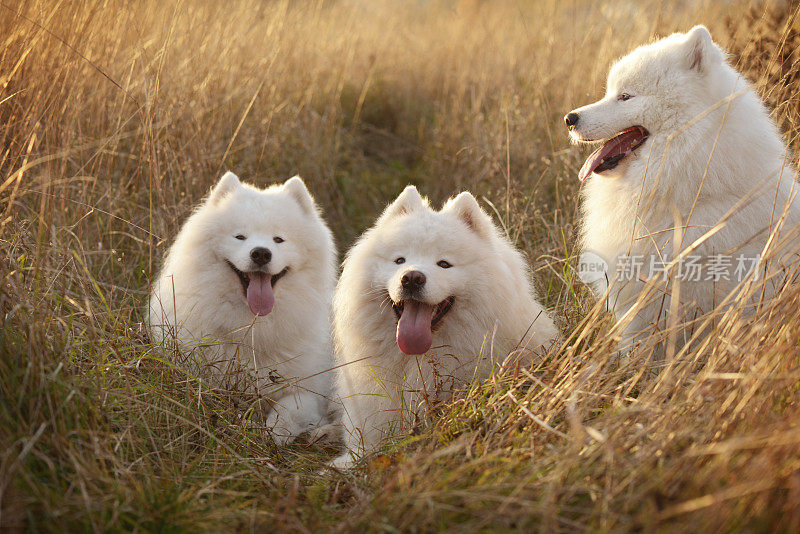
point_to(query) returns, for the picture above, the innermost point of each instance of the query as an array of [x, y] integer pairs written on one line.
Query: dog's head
[[261, 238], [428, 265], [652, 92]]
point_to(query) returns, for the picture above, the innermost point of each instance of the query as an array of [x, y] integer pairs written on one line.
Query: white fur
[[712, 145], [199, 299], [495, 311]]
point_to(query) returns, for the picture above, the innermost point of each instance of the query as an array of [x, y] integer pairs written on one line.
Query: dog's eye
[[443, 264], [277, 239], [241, 237], [400, 260], [624, 96]]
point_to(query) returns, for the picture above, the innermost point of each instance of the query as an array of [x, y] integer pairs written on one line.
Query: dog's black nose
[[413, 280], [571, 119], [260, 255]]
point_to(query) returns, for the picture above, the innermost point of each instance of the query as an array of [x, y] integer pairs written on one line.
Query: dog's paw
[[328, 434], [286, 425], [282, 440], [343, 462], [283, 428]]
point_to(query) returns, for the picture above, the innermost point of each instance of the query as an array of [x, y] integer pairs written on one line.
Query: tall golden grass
[[116, 117]]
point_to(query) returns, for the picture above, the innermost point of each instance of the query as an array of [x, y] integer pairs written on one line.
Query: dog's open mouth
[[258, 288], [613, 151], [416, 322]]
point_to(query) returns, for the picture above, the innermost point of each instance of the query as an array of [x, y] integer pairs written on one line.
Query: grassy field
[[117, 116]]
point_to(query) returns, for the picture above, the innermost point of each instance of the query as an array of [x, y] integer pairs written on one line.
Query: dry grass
[[116, 117], [766, 46]]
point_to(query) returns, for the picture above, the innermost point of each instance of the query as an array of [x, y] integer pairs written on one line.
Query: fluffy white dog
[[692, 179], [426, 302], [249, 282]]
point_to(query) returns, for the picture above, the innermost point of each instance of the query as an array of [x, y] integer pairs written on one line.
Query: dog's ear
[[408, 201], [225, 186], [467, 209], [297, 188], [700, 50]]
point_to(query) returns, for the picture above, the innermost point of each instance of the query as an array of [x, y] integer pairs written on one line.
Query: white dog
[[249, 282], [426, 302], [691, 178]]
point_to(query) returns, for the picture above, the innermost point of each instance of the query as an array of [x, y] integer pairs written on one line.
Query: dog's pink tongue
[[260, 297], [414, 335], [593, 161], [620, 145]]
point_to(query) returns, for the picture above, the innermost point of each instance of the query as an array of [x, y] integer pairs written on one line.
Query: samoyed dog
[[690, 184], [427, 301], [248, 283]]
